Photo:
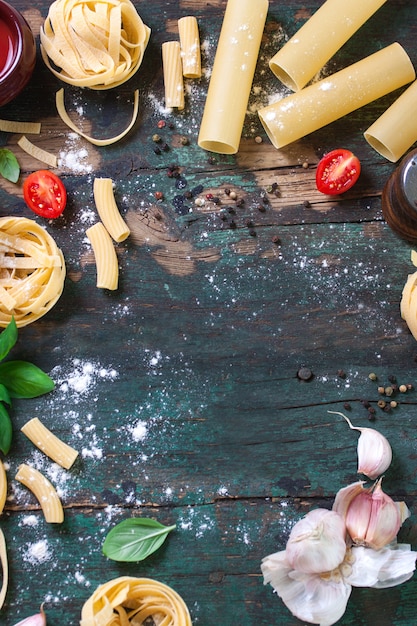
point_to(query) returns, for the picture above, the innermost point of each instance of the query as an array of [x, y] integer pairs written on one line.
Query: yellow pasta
[[50, 444], [93, 44], [60, 105], [5, 568], [127, 600], [329, 99], [32, 271], [105, 256], [173, 80], [190, 46], [44, 491], [327, 30], [108, 209], [408, 304], [232, 75], [37, 153], [9, 126], [3, 487], [395, 131]]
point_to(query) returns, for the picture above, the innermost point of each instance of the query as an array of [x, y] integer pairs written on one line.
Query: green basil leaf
[[135, 539], [24, 379], [5, 430], [8, 339], [9, 165], [4, 395]]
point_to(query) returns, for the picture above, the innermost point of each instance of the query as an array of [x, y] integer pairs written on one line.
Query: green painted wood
[[180, 389]]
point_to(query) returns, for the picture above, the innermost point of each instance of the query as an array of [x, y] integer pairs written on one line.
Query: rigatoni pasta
[[108, 210], [44, 492], [5, 568], [173, 79], [327, 30], [49, 443], [395, 131], [190, 46], [105, 256], [127, 600], [329, 99]]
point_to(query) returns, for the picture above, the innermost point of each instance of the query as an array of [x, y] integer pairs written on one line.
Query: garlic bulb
[[372, 518], [317, 542], [374, 450], [34, 620]]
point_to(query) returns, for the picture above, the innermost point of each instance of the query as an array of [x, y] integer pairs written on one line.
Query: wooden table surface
[[180, 389]]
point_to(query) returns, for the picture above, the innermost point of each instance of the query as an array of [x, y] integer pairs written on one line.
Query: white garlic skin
[[317, 542], [39, 619]]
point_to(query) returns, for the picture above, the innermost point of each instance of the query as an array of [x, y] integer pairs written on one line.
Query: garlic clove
[[372, 518], [317, 542], [374, 450], [34, 620]]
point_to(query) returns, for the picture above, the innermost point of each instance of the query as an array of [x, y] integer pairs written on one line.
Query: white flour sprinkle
[[37, 552]]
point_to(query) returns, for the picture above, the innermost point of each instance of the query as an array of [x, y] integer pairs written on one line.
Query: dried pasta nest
[[93, 44], [127, 600], [32, 271]]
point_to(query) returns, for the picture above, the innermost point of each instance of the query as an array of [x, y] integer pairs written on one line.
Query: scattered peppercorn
[[389, 391], [381, 404], [305, 165], [305, 373], [261, 208], [233, 195], [165, 147], [276, 240], [232, 224], [307, 204], [184, 141], [347, 406], [252, 232], [371, 416], [227, 191], [393, 404], [372, 376], [158, 195], [157, 150], [381, 390], [258, 139], [341, 373], [249, 223], [240, 202], [215, 199], [156, 138], [161, 124], [392, 379], [402, 388]]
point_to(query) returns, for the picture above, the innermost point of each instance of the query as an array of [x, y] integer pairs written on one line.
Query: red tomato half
[[45, 194], [337, 172]]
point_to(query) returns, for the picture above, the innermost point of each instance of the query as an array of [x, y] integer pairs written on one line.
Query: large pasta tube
[[232, 75], [302, 56], [395, 131], [173, 79], [333, 97], [190, 46]]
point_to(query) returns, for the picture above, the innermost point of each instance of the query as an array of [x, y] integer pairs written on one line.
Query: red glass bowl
[[17, 52]]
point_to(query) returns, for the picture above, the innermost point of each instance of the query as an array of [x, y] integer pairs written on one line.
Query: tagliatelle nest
[[130, 601], [93, 44], [32, 271]]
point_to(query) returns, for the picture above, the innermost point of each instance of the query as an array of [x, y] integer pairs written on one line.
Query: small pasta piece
[[37, 153], [50, 444], [127, 600], [173, 80], [5, 568], [44, 492], [108, 209], [9, 126], [190, 47], [60, 106], [3, 487], [105, 256]]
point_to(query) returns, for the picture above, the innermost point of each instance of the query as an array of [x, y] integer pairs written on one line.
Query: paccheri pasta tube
[[173, 80], [190, 46], [327, 30], [32, 271], [44, 491], [395, 131], [232, 75], [50, 444], [127, 600], [105, 256], [93, 44], [337, 95]]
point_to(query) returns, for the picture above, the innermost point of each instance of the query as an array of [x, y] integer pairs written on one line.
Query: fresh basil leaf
[[135, 539], [5, 430], [9, 165], [4, 395], [24, 379], [8, 338]]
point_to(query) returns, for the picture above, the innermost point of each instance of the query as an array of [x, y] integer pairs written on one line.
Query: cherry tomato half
[[337, 172], [45, 194]]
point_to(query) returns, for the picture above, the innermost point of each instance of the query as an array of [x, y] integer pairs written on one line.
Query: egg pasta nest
[[32, 271], [93, 44]]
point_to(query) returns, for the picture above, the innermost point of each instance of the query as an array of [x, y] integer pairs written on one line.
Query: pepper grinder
[[399, 198]]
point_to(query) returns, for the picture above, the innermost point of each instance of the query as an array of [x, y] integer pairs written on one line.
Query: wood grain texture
[[180, 390]]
